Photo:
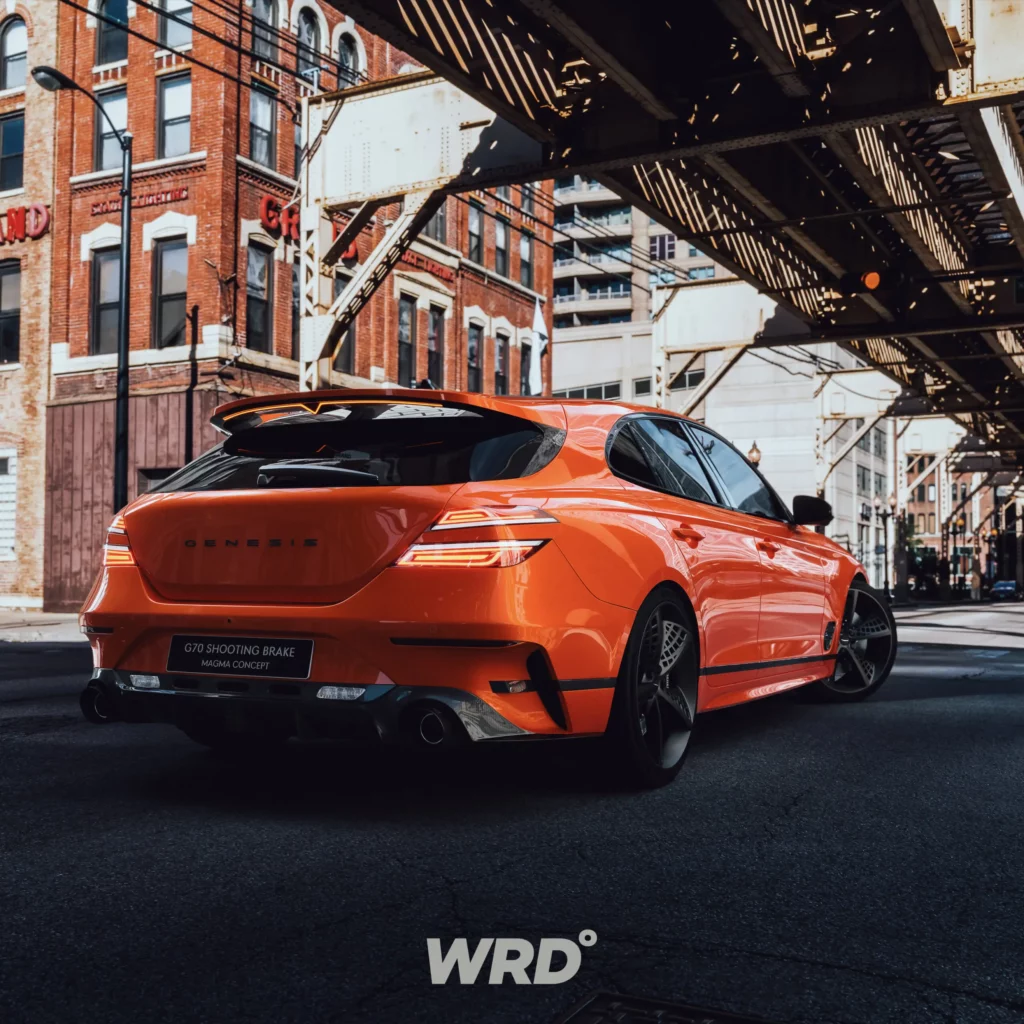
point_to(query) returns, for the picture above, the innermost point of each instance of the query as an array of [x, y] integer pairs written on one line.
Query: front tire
[[656, 694], [867, 647]]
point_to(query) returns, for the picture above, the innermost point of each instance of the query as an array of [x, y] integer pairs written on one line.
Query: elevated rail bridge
[[861, 165]]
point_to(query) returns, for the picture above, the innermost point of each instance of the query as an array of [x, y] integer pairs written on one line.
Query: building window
[[642, 386], [474, 353], [264, 29], [504, 193], [259, 298], [526, 199], [880, 442], [501, 246], [106, 293], [12, 151], [345, 354], [437, 226], [176, 25], [262, 127], [149, 479], [526, 259], [525, 358], [931, 492], [175, 133], [170, 286], [663, 247], [107, 148], [920, 522], [298, 148], [309, 46], [700, 273], [694, 251], [879, 484], [10, 311], [501, 364], [111, 37], [348, 60], [435, 346], [599, 391], [8, 502], [13, 54], [931, 522], [863, 480], [406, 341], [476, 233]]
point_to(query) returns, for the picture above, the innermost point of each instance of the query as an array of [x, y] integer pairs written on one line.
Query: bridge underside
[[801, 145]]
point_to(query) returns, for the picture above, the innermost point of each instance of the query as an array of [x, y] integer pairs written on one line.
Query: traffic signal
[[874, 279]]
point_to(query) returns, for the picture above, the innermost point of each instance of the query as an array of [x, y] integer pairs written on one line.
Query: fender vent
[[546, 686], [830, 632]]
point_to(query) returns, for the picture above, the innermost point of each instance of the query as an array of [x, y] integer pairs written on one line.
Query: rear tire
[[866, 649], [241, 744], [656, 694]]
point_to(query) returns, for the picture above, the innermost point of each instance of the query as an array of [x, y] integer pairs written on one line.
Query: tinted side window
[[625, 459], [744, 485], [673, 460]]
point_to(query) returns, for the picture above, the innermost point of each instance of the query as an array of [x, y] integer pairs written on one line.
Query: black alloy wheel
[[867, 646], [656, 695]]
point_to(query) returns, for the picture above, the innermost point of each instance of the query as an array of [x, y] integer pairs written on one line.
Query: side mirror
[[808, 511]]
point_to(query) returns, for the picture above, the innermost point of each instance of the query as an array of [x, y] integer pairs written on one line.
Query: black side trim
[[546, 685], [429, 641], [586, 684], [718, 670]]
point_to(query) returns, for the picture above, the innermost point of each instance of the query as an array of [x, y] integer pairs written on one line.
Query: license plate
[[241, 656]]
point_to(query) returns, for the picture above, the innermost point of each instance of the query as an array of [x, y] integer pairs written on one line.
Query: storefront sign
[[276, 218], [25, 222], [167, 195], [421, 262]]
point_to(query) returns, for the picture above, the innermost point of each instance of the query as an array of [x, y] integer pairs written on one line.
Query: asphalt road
[[861, 863]]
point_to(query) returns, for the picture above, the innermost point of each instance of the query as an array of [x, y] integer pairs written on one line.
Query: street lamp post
[[55, 81], [884, 515]]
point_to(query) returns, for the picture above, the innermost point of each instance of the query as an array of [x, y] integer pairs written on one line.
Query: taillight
[[492, 515], [117, 550], [484, 555]]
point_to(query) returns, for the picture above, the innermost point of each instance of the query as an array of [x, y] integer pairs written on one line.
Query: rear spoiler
[[250, 412]]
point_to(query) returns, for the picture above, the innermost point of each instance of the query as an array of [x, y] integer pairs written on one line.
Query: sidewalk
[[968, 625], [21, 627]]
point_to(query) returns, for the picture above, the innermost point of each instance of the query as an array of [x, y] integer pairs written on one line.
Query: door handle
[[767, 547], [688, 534]]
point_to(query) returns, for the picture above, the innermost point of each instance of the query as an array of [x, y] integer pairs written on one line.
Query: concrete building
[[28, 36], [213, 107]]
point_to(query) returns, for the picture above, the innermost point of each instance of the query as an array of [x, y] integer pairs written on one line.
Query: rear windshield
[[369, 444]]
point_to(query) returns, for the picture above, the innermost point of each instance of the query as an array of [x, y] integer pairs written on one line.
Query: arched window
[[348, 61], [111, 38], [264, 29], [309, 43], [13, 51]]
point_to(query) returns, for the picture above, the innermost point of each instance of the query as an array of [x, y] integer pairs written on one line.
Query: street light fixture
[[52, 80], [885, 514], [754, 455]]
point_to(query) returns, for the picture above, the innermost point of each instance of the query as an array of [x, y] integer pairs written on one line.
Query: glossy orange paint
[[319, 563]]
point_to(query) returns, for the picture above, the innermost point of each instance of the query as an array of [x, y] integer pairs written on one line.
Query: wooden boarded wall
[[80, 477]]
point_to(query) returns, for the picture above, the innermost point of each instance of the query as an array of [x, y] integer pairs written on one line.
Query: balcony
[[592, 303], [583, 193], [590, 265]]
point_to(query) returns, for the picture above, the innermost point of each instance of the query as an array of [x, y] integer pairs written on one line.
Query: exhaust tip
[[96, 705], [432, 728]]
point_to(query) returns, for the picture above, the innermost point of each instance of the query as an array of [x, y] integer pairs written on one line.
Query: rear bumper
[[470, 633], [383, 711]]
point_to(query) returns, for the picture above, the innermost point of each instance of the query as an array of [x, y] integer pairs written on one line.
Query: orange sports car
[[432, 567]]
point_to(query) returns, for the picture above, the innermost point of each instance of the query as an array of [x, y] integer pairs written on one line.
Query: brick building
[[214, 279], [28, 31]]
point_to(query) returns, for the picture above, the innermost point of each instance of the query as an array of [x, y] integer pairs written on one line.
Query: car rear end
[[354, 563]]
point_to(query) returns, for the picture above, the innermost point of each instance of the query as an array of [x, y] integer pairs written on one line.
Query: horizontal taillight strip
[[492, 515], [485, 555]]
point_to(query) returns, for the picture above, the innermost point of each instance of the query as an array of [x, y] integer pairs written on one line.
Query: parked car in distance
[[1004, 590]]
